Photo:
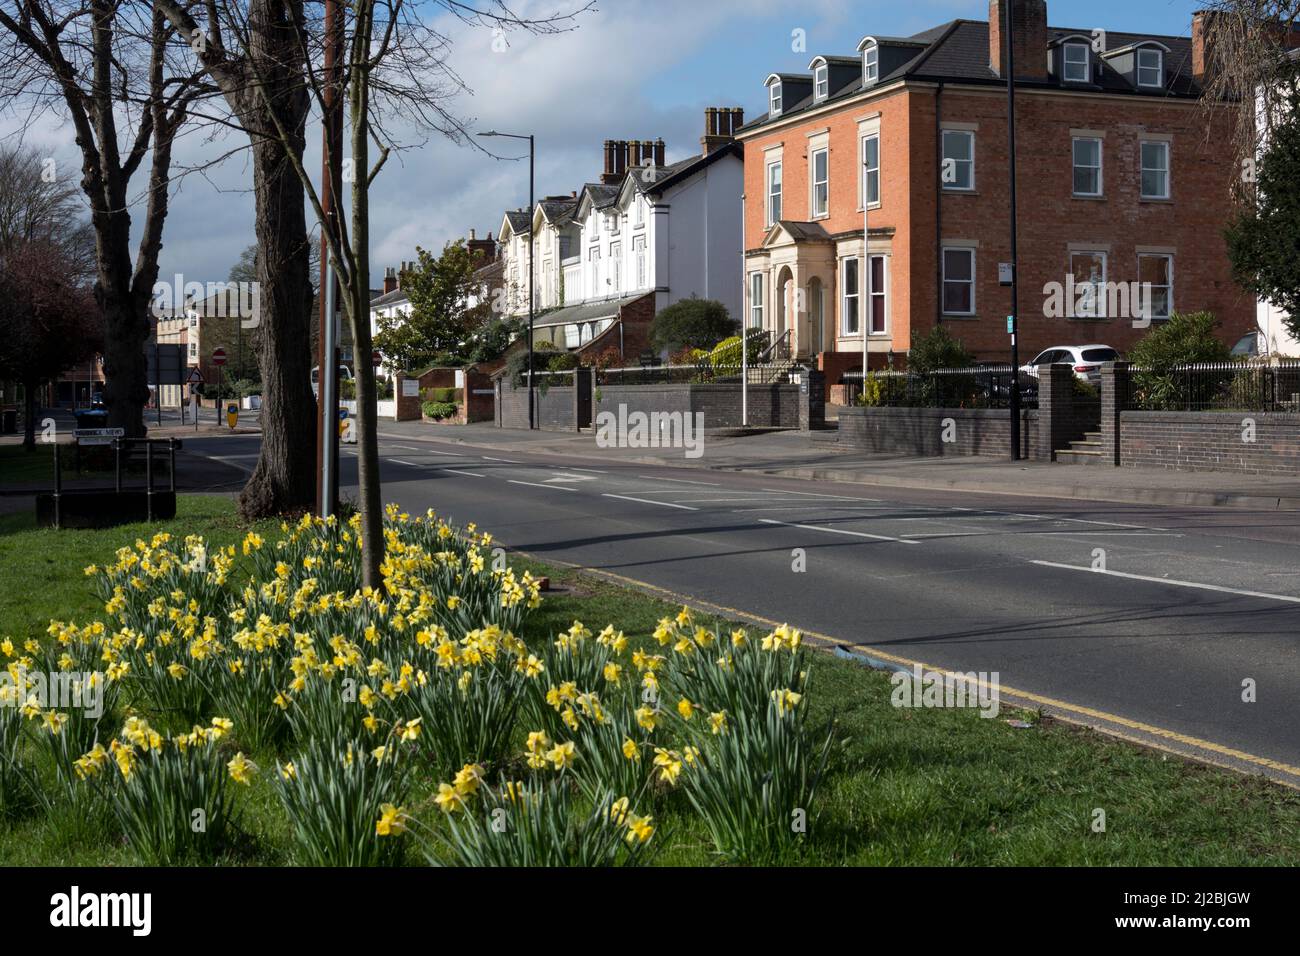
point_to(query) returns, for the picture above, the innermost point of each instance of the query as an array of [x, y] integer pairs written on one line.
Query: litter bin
[[9, 421]]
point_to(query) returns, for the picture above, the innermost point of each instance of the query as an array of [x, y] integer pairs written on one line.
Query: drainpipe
[[938, 207]]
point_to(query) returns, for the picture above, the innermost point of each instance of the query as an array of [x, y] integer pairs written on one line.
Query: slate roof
[[959, 51], [520, 220]]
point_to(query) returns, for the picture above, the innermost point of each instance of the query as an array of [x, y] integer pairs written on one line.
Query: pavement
[[817, 456]]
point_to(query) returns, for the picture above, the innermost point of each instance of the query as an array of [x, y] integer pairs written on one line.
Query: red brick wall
[[1050, 218]]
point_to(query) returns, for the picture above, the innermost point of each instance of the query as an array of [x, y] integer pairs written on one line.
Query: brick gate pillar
[[1116, 391]]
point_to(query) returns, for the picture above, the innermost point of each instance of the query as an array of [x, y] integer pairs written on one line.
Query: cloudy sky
[[629, 70]]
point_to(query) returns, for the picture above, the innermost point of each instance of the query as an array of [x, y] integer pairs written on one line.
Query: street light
[[531, 166], [1014, 318]]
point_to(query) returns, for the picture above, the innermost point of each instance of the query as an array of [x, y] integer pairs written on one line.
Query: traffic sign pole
[[218, 359]]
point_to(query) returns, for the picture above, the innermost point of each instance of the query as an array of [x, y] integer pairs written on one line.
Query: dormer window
[[1151, 68], [821, 81], [774, 102], [1077, 63], [871, 63]]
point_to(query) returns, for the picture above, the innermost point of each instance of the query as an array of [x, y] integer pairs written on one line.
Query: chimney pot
[[659, 152]]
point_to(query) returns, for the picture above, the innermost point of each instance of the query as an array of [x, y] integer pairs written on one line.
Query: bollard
[[58, 486], [171, 462]]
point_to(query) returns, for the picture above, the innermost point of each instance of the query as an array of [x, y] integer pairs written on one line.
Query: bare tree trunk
[[284, 479]]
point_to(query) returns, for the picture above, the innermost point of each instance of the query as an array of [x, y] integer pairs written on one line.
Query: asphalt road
[[1189, 603]]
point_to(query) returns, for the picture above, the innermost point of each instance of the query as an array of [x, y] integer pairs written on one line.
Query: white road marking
[[508, 461], [1175, 582], [682, 481], [852, 534], [405, 448], [408, 464], [813, 494], [471, 474], [535, 484], [562, 477], [444, 454], [594, 471], [647, 501]]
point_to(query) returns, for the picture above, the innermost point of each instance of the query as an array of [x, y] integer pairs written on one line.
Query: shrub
[[690, 323], [1187, 338], [872, 392], [439, 410], [442, 394], [937, 349], [726, 354]]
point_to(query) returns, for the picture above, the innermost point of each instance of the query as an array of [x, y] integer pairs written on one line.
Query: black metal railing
[[1217, 386], [701, 373], [975, 387]]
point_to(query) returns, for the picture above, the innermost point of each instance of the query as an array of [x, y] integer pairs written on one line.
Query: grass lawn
[[904, 787]]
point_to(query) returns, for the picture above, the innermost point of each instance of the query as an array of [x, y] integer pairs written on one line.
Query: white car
[[1087, 360], [344, 373]]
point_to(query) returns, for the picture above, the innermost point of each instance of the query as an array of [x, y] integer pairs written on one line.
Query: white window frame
[[756, 300], [821, 82], [1067, 63], [775, 215], [1099, 305], [639, 252], [1169, 259], [1159, 68], [774, 99], [943, 259], [970, 136], [815, 182], [871, 63], [616, 260], [868, 170], [614, 224], [873, 293], [593, 264], [1167, 170], [846, 297], [1075, 165], [640, 210]]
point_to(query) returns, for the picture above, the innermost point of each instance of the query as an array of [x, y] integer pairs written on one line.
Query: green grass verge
[[905, 787]]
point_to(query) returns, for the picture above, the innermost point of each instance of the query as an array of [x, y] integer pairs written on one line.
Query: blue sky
[[631, 70]]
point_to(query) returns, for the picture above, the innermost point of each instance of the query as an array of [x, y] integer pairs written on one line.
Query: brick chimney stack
[[1029, 28], [482, 251], [1202, 47], [390, 280], [720, 125]]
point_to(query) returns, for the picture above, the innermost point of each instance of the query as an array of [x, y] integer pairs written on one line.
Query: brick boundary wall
[[919, 431], [770, 406], [1211, 441], [556, 409]]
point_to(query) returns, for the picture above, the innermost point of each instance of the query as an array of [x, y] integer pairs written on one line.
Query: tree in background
[[118, 75], [1249, 62], [441, 324], [49, 321], [1264, 241], [691, 324]]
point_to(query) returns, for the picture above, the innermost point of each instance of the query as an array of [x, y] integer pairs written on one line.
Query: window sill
[[874, 207], [954, 191], [963, 316], [1156, 200], [1086, 198]]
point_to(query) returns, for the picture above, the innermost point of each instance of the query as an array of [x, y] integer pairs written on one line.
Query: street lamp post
[[531, 251], [1014, 321]]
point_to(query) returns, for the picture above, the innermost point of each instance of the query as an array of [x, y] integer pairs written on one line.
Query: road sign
[[376, 359], [97, 436], [195, 377], [1011, 324], [218, 357]]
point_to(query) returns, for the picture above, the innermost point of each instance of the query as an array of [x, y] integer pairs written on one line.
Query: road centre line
[[647, 501], [1174, 581], [535, 484], [409, 464], [852, 534], [508, 461], [471, 474]]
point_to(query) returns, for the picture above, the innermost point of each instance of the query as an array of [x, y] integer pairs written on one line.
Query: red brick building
[[1122, 178]]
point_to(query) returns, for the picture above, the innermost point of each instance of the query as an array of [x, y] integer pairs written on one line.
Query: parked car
[[1086, 360], [1247, 346], [344, 372]]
